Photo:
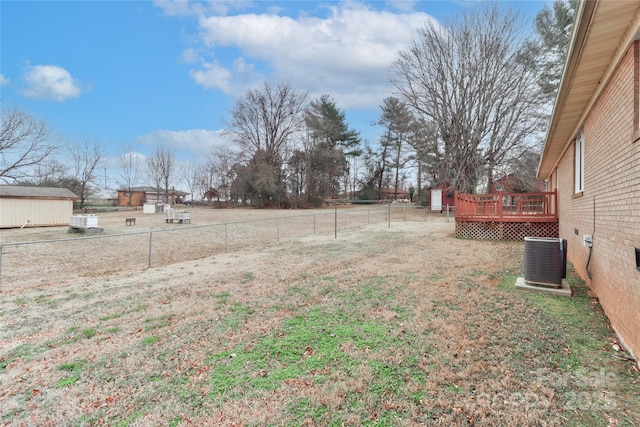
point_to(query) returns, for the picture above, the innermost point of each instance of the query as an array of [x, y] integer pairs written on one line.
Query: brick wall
[[137, 198], [609, 207]]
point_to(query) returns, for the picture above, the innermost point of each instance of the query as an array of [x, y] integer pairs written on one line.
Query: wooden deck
[[508, 207], [506, 216]]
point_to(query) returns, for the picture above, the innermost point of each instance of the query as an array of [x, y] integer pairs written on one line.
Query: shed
[[441, 195], [35, 206]]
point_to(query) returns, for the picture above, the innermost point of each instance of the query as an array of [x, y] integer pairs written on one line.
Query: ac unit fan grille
[[544, 261]]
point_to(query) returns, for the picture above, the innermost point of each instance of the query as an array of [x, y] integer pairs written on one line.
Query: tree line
[[472, 100]]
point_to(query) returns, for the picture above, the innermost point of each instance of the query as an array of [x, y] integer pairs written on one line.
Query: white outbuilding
[[35, 206]]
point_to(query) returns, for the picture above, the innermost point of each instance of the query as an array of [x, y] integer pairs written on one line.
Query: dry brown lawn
[[394, 326]]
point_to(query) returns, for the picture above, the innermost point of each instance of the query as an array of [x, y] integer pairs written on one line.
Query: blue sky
[[142, 73]]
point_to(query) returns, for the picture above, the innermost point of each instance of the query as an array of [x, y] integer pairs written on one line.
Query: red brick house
[[591, 157], [137, 196]]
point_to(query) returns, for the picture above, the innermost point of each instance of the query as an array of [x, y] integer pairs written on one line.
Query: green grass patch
[[89, 333], [67, 381], [222, 297], [149, 340], [111, 316], [73, 366], [306, 345], [302, 410]]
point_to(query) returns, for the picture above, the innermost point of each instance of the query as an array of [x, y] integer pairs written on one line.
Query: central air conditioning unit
[[545, 261]]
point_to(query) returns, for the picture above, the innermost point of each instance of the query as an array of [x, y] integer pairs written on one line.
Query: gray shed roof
[[18, 191]]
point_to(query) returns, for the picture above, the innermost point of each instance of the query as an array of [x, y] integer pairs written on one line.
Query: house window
[[579, 163]]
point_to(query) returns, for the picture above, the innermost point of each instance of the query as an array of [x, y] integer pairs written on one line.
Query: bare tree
[[467, 80], [49, 171], [160, 169], [221, 161], [266, 119], [86, 157], [25, 143], [263, 122], [189, 175], [129, 168]]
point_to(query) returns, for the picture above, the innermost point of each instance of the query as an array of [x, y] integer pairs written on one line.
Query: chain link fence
[[35, 263]]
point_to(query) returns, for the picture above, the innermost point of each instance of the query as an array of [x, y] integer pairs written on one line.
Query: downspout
[[592, 234]]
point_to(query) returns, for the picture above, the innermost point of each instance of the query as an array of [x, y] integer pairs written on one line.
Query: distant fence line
[[42, 260]]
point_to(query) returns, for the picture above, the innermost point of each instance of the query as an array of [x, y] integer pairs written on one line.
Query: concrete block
[[564, 290]]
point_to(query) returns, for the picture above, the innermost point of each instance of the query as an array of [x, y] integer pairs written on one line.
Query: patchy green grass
[[149, 340], [24, 352], [383, 329], [592, 386]]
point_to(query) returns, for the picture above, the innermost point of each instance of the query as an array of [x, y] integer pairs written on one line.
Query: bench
[[130, 221]]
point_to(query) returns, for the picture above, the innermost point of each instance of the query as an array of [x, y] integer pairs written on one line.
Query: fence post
[[150, 238], [389, 216], [404, 212]]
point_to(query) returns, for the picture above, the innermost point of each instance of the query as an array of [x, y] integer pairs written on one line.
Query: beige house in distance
[[35, 206], [591, 157]]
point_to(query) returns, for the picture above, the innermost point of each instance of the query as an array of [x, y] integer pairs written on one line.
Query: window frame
[[578, 164]]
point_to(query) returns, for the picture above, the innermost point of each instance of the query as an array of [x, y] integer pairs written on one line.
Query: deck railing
[[508, 207]]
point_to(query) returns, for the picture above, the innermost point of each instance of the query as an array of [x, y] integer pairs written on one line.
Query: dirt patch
[[386, 325]]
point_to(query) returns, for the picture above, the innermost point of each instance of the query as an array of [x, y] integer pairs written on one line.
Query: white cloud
[[3, 80], [212, 76], [50, 82], [346, 54], [198, 142]]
